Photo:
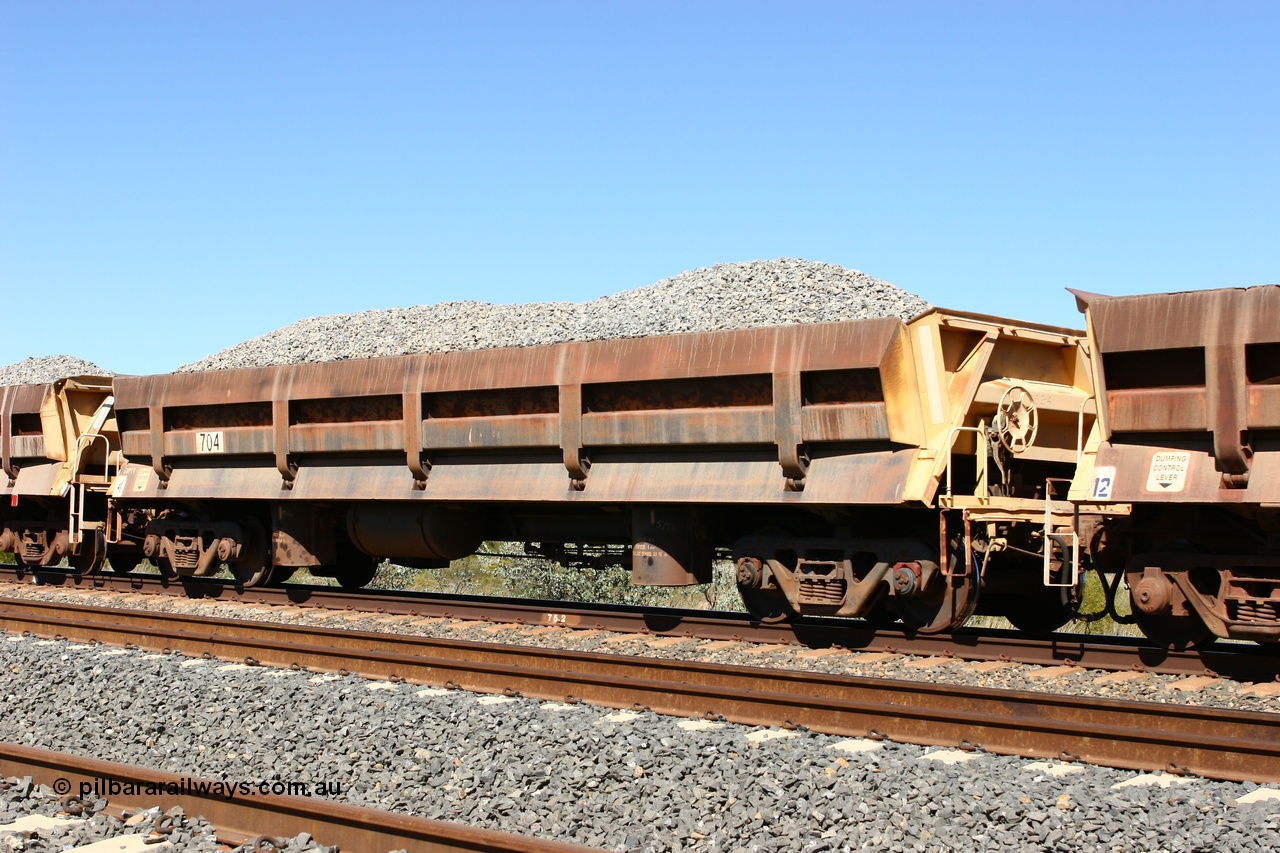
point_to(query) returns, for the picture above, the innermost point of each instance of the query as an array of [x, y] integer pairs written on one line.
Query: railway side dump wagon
[[1189, 434], [862, 468], [59, 450]]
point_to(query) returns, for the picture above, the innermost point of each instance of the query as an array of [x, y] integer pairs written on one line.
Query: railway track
[[240, 819], [1239, 661], [1215, 743]]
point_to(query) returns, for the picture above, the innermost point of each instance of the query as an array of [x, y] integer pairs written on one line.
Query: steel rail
[[1241, 661], [239, 818], [1211, 742]]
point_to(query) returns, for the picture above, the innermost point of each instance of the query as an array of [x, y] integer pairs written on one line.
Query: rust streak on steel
[[1244, 662], [236, 819], [1212, 742]]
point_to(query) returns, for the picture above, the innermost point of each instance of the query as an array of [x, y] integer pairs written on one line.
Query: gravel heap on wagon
[[48, 368], [724, 296]]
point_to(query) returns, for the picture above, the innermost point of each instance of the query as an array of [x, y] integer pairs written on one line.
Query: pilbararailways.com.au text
[[186, 786]]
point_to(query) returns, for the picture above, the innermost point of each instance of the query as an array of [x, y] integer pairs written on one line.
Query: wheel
[[280, 574], [881, 614], [248, 575], [944, 606], [254, 566], [1175, 632], [1040, 611], [165, 565], [1156, 591], [92, 550], [768, 605], [356, 570], [124, 562]]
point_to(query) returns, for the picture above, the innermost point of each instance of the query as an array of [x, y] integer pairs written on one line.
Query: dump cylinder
[[415, 530]]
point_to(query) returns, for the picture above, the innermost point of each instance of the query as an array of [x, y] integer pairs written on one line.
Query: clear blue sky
[[176, 177]]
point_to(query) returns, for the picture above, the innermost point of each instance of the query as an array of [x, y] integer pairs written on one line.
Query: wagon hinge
[[792, 455], [794, 461], [577, 464], [420, 467], [415, 456], [1229, 404], [280, 427], [163, 472], [575, 458], [6, 428]]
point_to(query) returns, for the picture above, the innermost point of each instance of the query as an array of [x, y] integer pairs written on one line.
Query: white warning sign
[[117, 485], [1168, 471]]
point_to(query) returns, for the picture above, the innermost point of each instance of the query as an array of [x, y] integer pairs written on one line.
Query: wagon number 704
[[210, 442]]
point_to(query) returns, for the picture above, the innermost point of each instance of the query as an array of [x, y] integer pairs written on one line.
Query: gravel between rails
[[616, 780], [725, 296], [48, 368], [1078, 681]]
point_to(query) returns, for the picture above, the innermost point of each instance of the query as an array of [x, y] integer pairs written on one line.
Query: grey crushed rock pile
[[725, 296], [48, 368], [575, 773]]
